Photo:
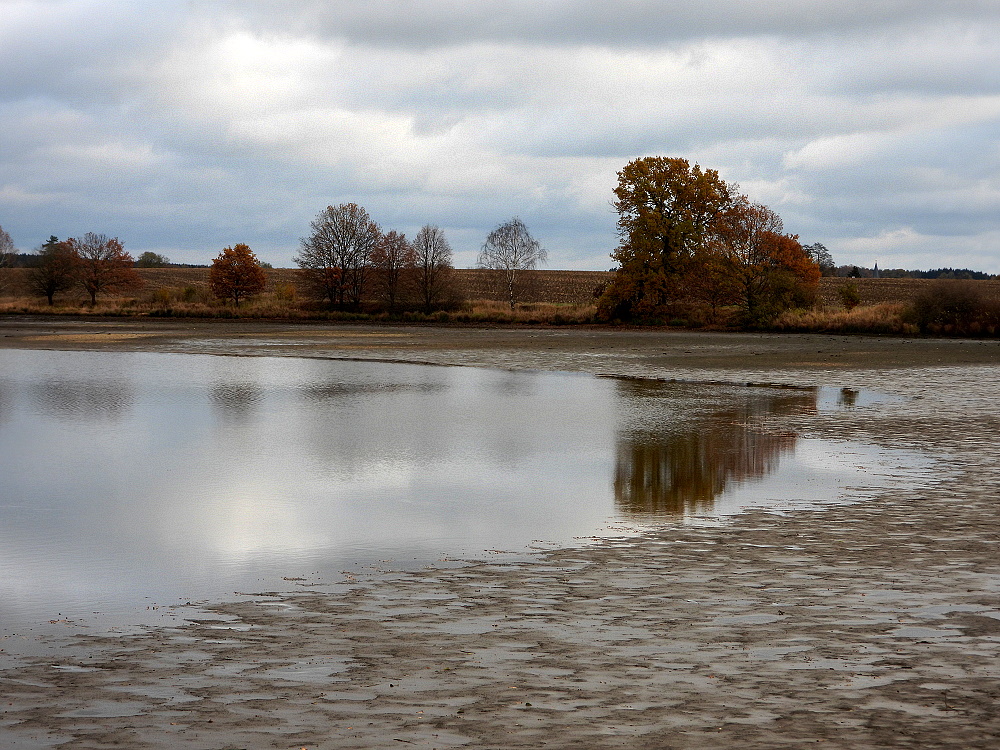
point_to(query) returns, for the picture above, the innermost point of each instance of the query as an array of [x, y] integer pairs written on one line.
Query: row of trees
[[347, 258], [347, 255], [689, 238], [95, 262]]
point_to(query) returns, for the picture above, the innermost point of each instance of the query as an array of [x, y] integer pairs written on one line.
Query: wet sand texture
[[865, 626]]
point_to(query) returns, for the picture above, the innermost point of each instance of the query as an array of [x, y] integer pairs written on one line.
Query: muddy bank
[[601, 350], [870, 625]]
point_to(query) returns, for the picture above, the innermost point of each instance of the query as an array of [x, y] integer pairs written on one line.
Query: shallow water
[[139, 480]]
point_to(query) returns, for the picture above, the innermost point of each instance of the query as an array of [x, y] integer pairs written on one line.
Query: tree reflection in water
[[236, 402], [683, 445], [73, 399]]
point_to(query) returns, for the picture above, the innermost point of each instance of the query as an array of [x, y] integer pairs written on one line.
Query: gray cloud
[[181, 128], [627, 23]]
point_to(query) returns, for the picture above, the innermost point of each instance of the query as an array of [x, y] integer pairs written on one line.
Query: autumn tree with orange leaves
[[236, 274], [766, 270], [667, 212], [689, 239]]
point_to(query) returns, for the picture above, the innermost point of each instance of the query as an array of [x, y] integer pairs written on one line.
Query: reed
[[883, 318]]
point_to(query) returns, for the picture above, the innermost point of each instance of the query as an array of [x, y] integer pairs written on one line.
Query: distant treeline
[[849, 271], [28, 260]]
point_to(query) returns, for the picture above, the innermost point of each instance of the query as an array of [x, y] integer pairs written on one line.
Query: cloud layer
[[873, 127]]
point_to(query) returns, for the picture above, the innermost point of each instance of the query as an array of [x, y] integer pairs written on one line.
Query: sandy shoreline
[[871, 625]]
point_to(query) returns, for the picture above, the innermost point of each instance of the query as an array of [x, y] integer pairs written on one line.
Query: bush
[[849, 295], [955, 308]]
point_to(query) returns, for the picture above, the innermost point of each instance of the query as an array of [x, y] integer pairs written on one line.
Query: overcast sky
[[872, 126]]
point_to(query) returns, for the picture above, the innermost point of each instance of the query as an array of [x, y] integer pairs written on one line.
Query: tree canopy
[[393, 262], [335, 257], [54, 269], [687, 237], [103, 265], [433, 261], [236, 274], [149, 259]]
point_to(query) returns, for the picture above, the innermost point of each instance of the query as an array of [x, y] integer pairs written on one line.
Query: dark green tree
[[54, 269], [150, 259]]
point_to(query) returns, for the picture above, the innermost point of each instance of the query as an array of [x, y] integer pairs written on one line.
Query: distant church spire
[[875, 273]]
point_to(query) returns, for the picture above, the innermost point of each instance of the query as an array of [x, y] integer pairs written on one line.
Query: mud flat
[[860, 626]]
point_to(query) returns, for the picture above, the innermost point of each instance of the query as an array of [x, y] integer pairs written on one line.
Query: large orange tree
[[236, 274], [687, 237], [667, 211], [765, 271]]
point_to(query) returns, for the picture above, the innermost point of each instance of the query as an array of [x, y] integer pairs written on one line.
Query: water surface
[[133, 480]]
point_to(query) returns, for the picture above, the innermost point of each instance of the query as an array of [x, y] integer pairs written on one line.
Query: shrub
[[849, 295], [953, 307]]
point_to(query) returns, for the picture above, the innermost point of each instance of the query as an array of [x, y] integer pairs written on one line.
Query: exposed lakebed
[[135, 480]]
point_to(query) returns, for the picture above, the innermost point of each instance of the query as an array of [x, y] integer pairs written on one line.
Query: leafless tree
[[104, 266], [6, 256], [335, 258], [511, 250], [434, 277], [393, 264]]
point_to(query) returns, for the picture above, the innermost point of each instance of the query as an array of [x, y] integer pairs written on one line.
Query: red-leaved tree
[[236, 274], [104, 267]]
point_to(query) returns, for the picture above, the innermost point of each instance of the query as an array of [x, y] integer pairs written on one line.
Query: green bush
[[849, 295]]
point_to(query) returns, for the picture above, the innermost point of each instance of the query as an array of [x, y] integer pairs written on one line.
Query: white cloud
[[904, 247]]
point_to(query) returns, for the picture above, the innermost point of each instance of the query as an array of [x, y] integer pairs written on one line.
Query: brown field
[[886, 291], [543, 286], [545, 297], [558, 287]]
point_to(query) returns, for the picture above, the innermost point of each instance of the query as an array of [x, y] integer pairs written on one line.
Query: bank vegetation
[[549, 297]]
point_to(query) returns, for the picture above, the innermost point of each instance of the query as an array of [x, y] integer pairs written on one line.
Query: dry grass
[[184, 292], [548, 298], [886, 317]]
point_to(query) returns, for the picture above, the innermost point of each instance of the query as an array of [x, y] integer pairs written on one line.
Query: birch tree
[[511, 250]]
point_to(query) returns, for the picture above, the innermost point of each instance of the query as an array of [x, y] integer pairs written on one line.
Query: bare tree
[[392, 263], [54, 269], [335, 258], [822, 257], [6, 256], [434, 278], [511, 250], [104, 266]]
